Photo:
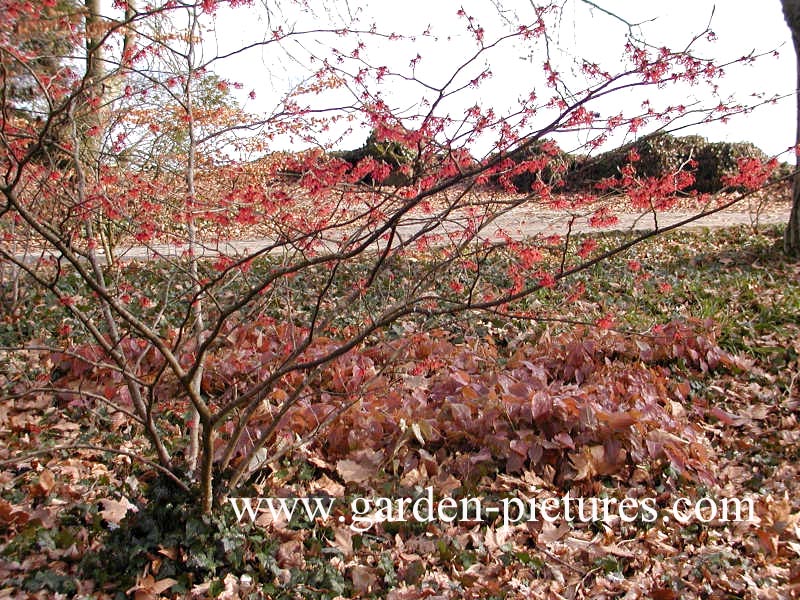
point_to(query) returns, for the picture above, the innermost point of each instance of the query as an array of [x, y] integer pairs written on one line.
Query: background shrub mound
[[394, 154], [658, 154], [661, 154], [718, 159], [543, 161]]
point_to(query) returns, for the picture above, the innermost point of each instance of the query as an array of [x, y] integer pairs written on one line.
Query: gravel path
[[519, 224]]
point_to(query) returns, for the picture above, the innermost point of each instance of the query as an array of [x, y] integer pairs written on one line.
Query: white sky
[[741, 26]]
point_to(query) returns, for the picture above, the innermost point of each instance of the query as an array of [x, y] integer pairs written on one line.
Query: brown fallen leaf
[[329, 486], [592, 460], [352, 471], [170, 553], [364, 579], [290, 555], [495, 538], [115, 510], [45, 483], [617, 551], [768, 542], [550, 533], [414, 477], [231, 591], [12, 515], [149, 589], [662, 593], [343, 541]]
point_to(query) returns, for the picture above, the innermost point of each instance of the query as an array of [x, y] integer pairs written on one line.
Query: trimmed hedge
[[559, 163], [393, 154], [659, 154], [663, 153]]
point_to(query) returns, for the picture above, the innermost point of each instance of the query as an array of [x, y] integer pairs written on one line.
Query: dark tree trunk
[[791, 239]]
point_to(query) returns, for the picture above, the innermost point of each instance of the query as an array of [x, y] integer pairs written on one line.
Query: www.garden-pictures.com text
[[365, 512]]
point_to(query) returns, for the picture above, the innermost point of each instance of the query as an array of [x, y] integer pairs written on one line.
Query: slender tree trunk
[[791, 239], [92, 117], [87, 154], [104, 86], [201, 436]]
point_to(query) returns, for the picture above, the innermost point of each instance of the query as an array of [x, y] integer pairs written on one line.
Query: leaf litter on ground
[[693, 393]]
